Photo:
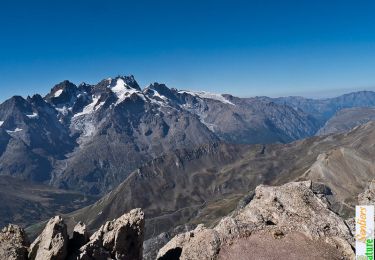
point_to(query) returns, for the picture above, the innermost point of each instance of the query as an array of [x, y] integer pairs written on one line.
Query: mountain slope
[[174, 181], [347, 169], [252, 120], [346, 119]]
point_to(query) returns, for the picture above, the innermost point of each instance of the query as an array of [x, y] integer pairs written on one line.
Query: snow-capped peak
[[123, 90], [120, 88]]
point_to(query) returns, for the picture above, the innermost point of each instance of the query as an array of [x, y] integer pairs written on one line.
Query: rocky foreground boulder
[[52, 243], [13, 243], [120, 239], [293, 221]]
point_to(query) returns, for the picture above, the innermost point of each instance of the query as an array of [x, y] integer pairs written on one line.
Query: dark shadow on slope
[[173, 254]]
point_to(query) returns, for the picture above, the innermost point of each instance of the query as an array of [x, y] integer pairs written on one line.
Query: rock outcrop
[[13, 243], [294, 217], [120, 239], [79, 238], [52, 244]]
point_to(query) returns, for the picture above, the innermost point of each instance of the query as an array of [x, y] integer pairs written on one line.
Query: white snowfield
[[1, 123], [122, 90], [58, 93], [208, 95]]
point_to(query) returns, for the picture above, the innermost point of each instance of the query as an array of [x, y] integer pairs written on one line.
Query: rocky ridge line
[[119, 239]]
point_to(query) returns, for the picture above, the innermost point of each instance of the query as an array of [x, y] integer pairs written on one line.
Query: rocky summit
[[292, 221]]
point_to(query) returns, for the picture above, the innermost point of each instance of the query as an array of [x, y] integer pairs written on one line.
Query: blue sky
[[246, 48]]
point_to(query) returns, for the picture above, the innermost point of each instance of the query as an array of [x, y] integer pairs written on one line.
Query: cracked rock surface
[[293, 216]]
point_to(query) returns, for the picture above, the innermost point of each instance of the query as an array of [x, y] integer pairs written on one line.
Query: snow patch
[[208, 95], [209, 126], [64, 110], [158, 101], [58, 93], [157, 94], [14, 131], [33, 115], [202, 118], [92, 107], [1, 123]]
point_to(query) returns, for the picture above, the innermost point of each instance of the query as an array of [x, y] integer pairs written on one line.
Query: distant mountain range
[[324, 109], [89, 138]]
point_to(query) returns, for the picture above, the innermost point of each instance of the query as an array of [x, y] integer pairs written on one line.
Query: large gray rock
[[52, 243], [13, 243], [201, 243], [291, 212], [120, 239], [151, 246]]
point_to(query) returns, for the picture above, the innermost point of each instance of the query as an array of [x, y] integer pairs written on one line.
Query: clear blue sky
[[240, 47]]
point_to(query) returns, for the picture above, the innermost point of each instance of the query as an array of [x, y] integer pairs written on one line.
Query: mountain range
[[89, 138]]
